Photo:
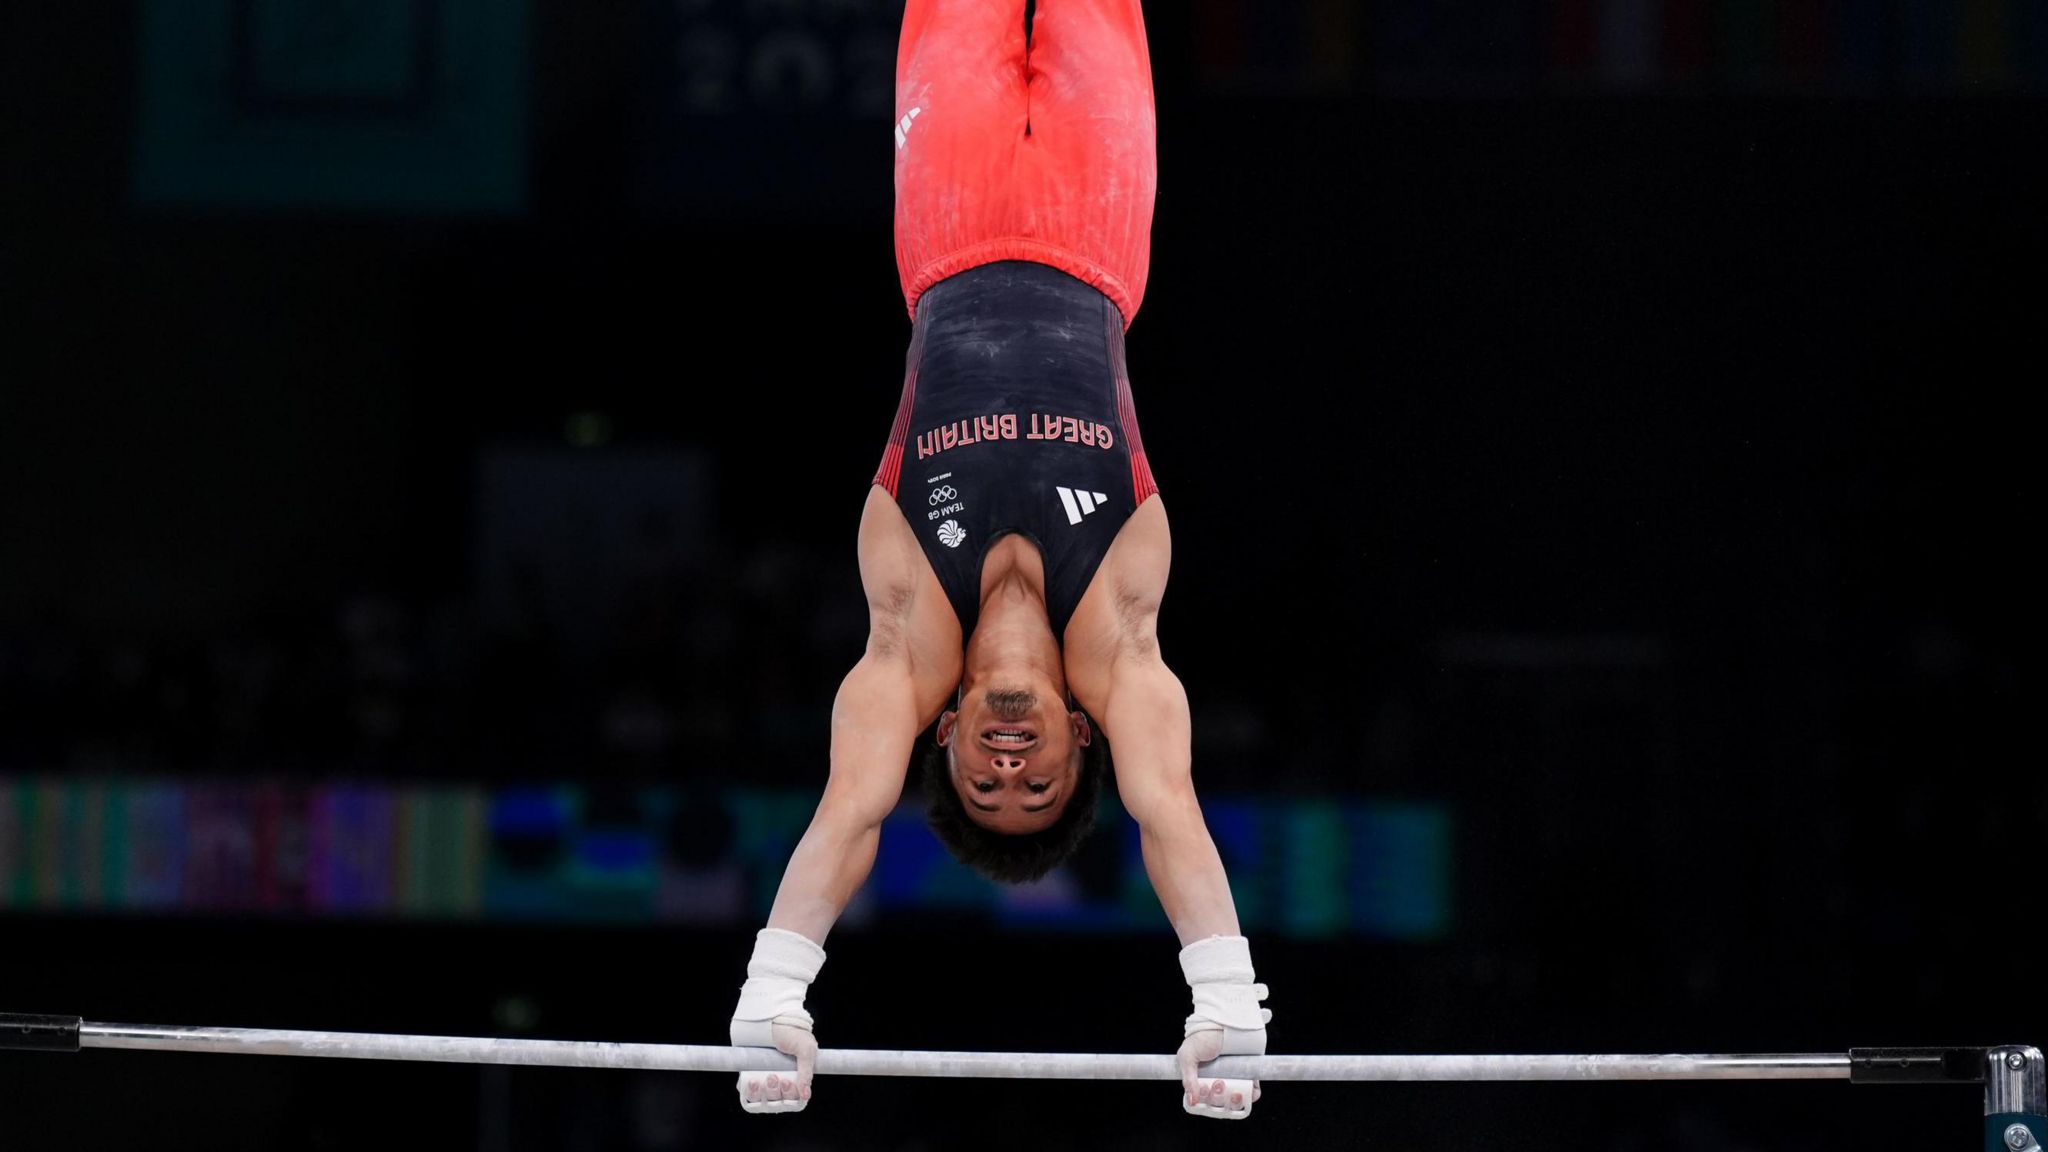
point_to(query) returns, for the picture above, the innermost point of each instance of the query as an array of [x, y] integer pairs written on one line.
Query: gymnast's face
[[1014, 755]]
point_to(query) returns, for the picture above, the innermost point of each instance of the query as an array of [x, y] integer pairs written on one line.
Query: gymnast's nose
[[1007, 766]]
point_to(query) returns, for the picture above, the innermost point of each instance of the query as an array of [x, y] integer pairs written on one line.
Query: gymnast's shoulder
[[1114, 631]]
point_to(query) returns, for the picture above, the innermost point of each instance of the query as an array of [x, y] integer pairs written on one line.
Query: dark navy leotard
[[1016, 417]]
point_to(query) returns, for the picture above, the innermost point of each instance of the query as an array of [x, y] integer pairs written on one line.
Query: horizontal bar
[[33, 1033], [1917, 1065], [1003, 1065]]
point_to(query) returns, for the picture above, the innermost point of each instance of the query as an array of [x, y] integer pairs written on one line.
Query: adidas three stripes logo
[[1079, 503]]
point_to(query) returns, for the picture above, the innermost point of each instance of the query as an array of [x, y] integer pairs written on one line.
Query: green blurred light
[[588, 430]]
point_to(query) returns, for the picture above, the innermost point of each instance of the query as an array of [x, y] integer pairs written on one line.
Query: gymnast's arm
[[1146, 719], [897, 688], [900, 685], [1121, 680]]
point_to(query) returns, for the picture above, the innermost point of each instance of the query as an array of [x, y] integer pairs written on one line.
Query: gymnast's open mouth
[[1008, 738]]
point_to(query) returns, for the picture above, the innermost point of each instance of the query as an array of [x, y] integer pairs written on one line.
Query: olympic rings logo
[[941, 495]]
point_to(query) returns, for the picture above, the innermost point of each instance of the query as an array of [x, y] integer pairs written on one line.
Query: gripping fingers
[[770, 1092], [1221, 1099]]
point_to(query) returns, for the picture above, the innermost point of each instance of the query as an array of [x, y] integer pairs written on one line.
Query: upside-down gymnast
[[1013, 548]]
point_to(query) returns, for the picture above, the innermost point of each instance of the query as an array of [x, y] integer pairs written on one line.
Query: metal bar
[[1005, 1065], [28, 1033], [1916, 1065]]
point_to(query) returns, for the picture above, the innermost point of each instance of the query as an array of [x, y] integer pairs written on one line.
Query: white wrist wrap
[[1219, 970], [778, 975]]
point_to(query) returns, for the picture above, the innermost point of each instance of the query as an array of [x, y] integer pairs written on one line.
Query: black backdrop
[[1443, 393]]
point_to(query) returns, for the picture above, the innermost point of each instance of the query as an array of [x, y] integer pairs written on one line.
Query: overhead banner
[[405, 105]]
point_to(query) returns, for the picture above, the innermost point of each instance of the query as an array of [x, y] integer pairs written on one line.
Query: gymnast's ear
[[948, 721], [1084, 732]]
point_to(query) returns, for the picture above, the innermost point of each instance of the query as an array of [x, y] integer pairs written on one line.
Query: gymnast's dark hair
[[1011, 859]]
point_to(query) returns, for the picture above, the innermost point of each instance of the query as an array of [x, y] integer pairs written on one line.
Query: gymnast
[[1013, 548]]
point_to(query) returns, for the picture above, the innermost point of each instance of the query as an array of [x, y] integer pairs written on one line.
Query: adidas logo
[[1079, 503], [903, 127]]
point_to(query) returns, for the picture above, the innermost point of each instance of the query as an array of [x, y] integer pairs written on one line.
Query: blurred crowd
[[713, 674]]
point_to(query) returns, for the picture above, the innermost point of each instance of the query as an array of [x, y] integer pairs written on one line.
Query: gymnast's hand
[[771, 1015], [1227, 1021], [783, 1088], [1212, 1096]]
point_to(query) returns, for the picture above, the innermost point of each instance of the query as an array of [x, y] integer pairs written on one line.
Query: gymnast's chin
[[1012, 778]]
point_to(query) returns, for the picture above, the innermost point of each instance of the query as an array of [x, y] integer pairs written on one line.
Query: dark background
[[1635, 467]]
